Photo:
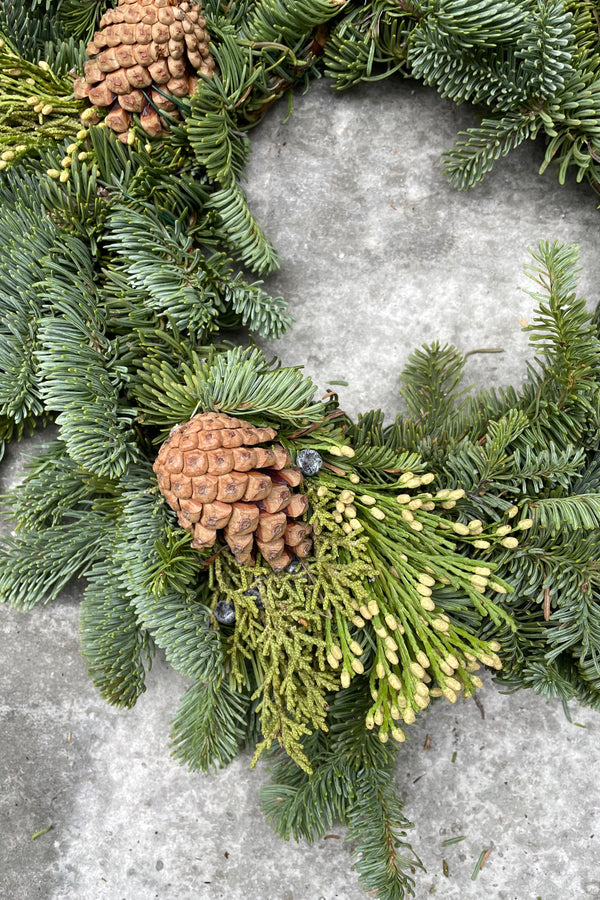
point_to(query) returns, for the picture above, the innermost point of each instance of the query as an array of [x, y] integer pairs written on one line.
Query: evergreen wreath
[[464, 533]]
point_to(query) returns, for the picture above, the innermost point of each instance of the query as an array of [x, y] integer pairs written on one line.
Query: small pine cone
[[216, 477], [142, 45]]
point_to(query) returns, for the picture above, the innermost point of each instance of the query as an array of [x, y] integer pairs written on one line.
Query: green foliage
[[239, 382], [112, 643], [79, 378], [209, 726]]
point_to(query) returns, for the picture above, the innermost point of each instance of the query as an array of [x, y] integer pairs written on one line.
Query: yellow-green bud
[[427, 478], [446, 668], [38, 108], [403, 498], [373, 607], [524, 524], [454, 684], [391, 657], [494, 646], [347, 451], [81, 135], [442, 495], [380, 631], [335, 451], [407, 515], [477, 681], [413, 482], [47, 109], [380, 670], [394, 682], [353, 478], [391, 622], [398, 735], [364, 611], [72, 148], [355, 525], [346, 528], [370, 722], [377, 513], [479, 581], [8, 155], [416, 526], [435, 692], [333, 662], [357, 666], [383, 737], [356, 648], [64, 175], [345, 679], [395, 712], [358, 621], [347, 496], [457, 494], [459, 528], [408, 715], [421, 701], [340, 507], [450, 695], [390, 643], [487, 659], [452, 661], [481, 545], [367, 500], [512, 512], [336, 651], [428, 506], [423, 590], [406, 476], [378, 717], [440, 625], [43, 65], [510, 543], [337, 518], [66, 161], [32, 101], [423, 659], [501, 530], [426, 579], [417, 670], [415, 504], [82, 156], [448, 504], [499, 588], [421, 690], [350, 511], [427, 603], [322, 491], [53, 173]]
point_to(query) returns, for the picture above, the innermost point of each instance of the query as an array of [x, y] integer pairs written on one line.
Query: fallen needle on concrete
[[40, 832], [480, 863]]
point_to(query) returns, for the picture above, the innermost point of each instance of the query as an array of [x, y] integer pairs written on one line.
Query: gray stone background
[[378, 255]]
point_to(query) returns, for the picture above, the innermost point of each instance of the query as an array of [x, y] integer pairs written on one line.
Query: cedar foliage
[[121, 272]]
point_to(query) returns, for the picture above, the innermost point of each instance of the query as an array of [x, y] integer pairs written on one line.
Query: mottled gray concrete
[[367, 282]]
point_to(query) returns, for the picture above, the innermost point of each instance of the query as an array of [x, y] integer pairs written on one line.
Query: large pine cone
[[144, 53], [215, 477]]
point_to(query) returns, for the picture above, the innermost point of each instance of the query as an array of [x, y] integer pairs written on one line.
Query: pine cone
[[144, 53], [215, 477]]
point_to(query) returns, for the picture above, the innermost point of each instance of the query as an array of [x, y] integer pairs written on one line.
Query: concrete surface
[[379, 255]]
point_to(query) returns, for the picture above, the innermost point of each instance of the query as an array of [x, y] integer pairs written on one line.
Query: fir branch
[[384, 860], [112, 643], [239, 382], [288, 21], [477, 150], [209, 726], [35, 566], [79, 379]]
